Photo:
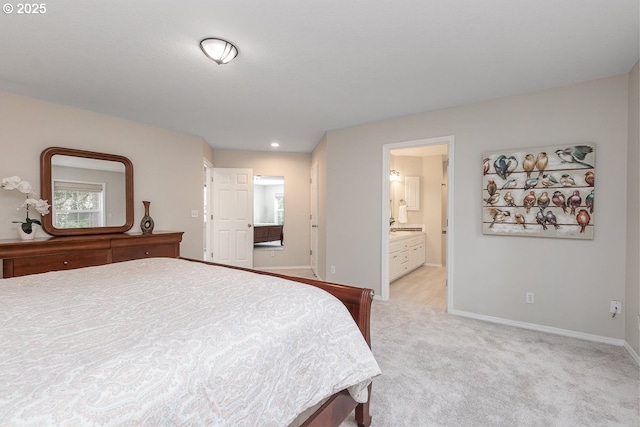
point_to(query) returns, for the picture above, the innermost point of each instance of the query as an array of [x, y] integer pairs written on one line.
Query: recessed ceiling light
[[275, 145]]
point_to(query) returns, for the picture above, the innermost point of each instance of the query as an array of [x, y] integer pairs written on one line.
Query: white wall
[[573, 280], [295, 169], [28, 126], [632, 299]]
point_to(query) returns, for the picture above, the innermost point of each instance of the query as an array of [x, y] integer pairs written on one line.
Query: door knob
[[249, 225]]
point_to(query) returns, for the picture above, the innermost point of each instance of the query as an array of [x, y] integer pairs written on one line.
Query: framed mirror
[[268, 212], [89, 193]]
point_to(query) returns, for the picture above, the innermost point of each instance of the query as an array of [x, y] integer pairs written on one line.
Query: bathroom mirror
[[268, 211], [89, 193]]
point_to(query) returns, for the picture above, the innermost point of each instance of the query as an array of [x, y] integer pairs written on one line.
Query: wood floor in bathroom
[[424, 286]]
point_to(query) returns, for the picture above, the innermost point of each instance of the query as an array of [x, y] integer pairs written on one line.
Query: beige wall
[[632, 298], [295, 169], [573, 281], [167, 165], [207, 152]]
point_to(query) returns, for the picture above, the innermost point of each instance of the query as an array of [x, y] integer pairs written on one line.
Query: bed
[[166, 341], [268, 233]]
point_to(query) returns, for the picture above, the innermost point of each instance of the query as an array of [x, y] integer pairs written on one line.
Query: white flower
[[10, 182], [16, 183], [41, 206], [24, 187]]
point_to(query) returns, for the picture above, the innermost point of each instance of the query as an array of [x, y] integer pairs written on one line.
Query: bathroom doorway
[[416, 240]]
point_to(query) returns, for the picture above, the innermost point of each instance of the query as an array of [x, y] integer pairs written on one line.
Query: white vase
[[25, 236]]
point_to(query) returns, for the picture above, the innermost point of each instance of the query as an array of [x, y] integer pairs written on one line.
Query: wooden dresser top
[[10, 248]]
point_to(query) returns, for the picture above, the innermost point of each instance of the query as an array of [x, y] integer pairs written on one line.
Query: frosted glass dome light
[[218, 50]]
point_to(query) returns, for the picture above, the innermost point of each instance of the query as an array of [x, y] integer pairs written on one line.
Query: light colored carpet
[[444, 370]]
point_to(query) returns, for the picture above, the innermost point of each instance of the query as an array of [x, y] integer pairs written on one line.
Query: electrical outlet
[[194, 213], [616, 307], [333, 269], [529, 298]]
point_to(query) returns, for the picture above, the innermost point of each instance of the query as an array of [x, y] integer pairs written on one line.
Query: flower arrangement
[[41, 206]]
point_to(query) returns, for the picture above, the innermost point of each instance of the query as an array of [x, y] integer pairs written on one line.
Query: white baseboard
[[542, 328], [633, 354], [295, 267]]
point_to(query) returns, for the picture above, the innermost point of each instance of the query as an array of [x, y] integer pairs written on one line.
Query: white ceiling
[[306, 66]]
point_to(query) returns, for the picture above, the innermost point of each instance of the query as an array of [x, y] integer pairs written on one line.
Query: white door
[[313, 252], [232, 217]]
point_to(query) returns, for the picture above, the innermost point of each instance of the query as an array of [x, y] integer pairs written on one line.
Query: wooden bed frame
[[268, 233], [358, 301]]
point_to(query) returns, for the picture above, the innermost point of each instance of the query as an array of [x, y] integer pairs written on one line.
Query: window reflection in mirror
[[268, 211], [87, 192]]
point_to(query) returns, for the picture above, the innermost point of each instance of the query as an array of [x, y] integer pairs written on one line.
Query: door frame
[[314, 211], [449, 140], [208, 210]]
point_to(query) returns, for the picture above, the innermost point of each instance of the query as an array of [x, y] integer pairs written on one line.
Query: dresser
[[22, 257]]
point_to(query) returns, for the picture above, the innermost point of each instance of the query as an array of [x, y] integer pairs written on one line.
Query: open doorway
[[417, 192]]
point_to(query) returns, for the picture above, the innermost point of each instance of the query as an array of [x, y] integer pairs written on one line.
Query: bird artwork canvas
[[546, 191]]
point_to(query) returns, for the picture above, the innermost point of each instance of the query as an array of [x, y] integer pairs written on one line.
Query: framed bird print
[[542, 191]]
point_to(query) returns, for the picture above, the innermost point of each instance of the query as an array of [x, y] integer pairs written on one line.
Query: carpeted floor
[[444, 370]]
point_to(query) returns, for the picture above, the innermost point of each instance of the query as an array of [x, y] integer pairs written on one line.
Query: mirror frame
[[46, 191]]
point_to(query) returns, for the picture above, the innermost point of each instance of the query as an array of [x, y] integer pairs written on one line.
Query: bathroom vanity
[[406, 252]]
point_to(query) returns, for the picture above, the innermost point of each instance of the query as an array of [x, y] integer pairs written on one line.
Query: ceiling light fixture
[[275, 145], [218, 50]]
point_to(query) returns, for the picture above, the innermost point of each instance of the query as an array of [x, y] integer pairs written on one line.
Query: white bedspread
[[171, 342]]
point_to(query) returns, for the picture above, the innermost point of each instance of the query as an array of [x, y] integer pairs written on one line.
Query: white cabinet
[[412, 192], [406, 253], [416, 254], [398, 260]]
